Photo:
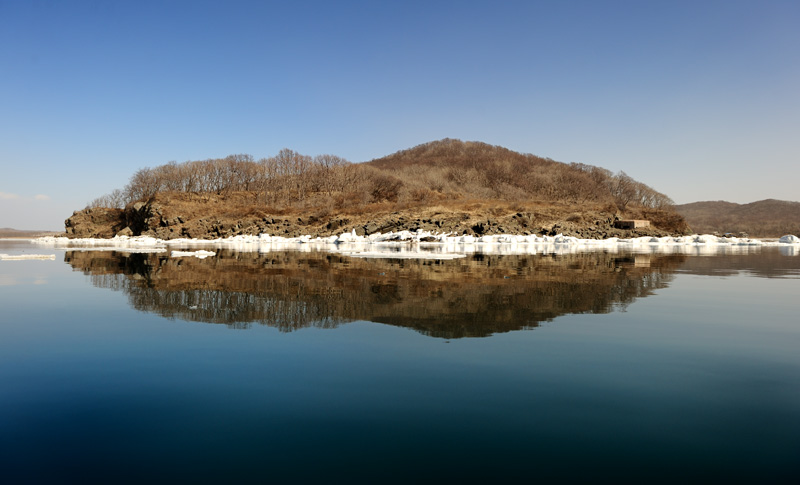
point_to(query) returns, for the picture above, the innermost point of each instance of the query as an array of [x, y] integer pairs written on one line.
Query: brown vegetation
[[474, 182], [456, 169]]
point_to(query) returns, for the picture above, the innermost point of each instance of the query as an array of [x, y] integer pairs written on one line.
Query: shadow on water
[[472, 297]]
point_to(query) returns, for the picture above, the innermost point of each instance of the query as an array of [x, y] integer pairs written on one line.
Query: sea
[[281, 365]]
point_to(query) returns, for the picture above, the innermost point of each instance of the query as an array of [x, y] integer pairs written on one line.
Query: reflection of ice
[[404, 253], [422, 244], [793, 250], [7, 280], [139, 244], [200, 254]]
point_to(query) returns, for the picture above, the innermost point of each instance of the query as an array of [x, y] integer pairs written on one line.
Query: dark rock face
[[101, 222], [98, 223], [139, 217]]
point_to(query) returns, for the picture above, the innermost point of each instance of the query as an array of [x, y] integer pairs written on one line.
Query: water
[[289, 366]]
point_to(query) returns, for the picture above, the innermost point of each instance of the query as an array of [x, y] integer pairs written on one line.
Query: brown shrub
[[384, 187]]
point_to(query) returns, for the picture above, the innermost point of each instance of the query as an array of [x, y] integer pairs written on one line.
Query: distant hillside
[[9, 232], [765, 218], [446, 185]]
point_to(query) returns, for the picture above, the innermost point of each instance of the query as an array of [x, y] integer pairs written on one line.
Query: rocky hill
[[764, 218], [444, 186]]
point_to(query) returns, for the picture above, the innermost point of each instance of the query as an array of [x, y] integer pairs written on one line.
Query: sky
[[698, 99]]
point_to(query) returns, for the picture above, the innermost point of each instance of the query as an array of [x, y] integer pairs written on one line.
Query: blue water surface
[[699, 381]]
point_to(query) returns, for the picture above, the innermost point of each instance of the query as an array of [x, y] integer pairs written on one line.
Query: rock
[[390, 226], [336, 224], [98, 222]]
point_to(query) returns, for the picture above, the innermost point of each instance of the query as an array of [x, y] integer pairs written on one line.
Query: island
[[447, 187]]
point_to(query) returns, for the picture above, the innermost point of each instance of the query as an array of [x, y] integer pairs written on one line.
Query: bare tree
[[143, 185]]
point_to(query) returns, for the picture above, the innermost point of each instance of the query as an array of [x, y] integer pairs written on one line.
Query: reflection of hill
[[471, 297], [766, 263]]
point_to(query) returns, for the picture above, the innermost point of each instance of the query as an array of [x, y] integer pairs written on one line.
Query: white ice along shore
[[427, 245]]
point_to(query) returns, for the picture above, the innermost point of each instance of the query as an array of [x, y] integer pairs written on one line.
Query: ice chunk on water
[[21, 257]]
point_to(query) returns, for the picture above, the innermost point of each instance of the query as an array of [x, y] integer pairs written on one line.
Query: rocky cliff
[[209, 218]]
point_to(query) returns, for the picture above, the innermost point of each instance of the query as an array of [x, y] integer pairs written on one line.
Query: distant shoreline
[[22, 234]]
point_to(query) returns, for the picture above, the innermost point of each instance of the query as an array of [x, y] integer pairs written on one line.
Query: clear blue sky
[[699, 99]]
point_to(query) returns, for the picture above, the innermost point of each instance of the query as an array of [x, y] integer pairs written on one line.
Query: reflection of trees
[[472, 297], [236, 309]]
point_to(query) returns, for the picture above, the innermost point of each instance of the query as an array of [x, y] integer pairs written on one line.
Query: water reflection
[[474, 296], [767, 263]]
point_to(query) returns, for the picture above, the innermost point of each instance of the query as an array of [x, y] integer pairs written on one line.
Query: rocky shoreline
[[164, 222]]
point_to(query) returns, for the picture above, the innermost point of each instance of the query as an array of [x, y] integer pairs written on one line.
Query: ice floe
[[789, 239], [21, 257], [423, 244]]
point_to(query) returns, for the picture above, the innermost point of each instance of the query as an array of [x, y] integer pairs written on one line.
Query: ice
[[135, 244], [21, 257], [426, 245]]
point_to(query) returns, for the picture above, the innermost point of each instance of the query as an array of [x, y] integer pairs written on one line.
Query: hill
[[457, 170], [764, 218], [445, 186]]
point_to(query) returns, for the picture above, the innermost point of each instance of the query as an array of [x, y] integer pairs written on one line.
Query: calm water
[[287, 366]]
